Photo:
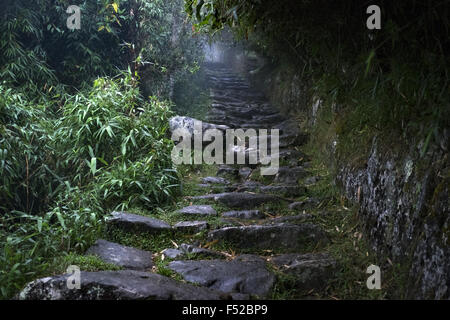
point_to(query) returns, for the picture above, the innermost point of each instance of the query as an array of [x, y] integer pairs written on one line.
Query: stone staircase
[[270, 245]]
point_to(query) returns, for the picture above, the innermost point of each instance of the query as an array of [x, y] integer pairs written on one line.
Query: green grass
[[85, 263]]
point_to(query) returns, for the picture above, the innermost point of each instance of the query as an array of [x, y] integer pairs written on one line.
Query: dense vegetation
[[394, 80], [83, 122]]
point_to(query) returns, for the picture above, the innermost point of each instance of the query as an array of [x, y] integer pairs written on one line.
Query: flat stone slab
[[117, 285], [311, 271], [202, 210], [191, 249], [248, 185], [245, 214], [133, 222], [302, 205], [245, 274], [185, 249], [191, 226], [215, 180], [173, 253], [244, 200], [245, 172], [291, 219], [122, 256], [277, 236], [290, 175], [312, 180], [225, 170], [284, 190]]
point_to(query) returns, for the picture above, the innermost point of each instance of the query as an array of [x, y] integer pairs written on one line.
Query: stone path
[[285, 245]]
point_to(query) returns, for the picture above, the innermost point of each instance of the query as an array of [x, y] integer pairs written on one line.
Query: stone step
[[122, 256], [241, 200], [285, 236], [284, 190], [198, 210], [310, 271], [245, 214], [185, 249], [246, 274], [298, 219], [191, 226], [215, 180], [133, 222]]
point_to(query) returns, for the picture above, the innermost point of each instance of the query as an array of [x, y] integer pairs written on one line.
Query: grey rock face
[[122, 256], [134, 222], [396, 197], [116, 285], [311, 271], [202, 210], [191, 226], [246, 214], [245, 274], [277, 236], [243, 200]]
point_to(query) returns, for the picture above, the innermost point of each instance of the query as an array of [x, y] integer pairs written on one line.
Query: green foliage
[[25, 177], [70, 151], [63, 170], [31, 244]]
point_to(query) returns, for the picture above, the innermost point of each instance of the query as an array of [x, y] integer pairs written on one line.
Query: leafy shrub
[[26, 181], [61, 172]]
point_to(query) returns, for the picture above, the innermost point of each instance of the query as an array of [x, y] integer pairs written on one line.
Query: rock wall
[[403, 197], [404, 206]]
